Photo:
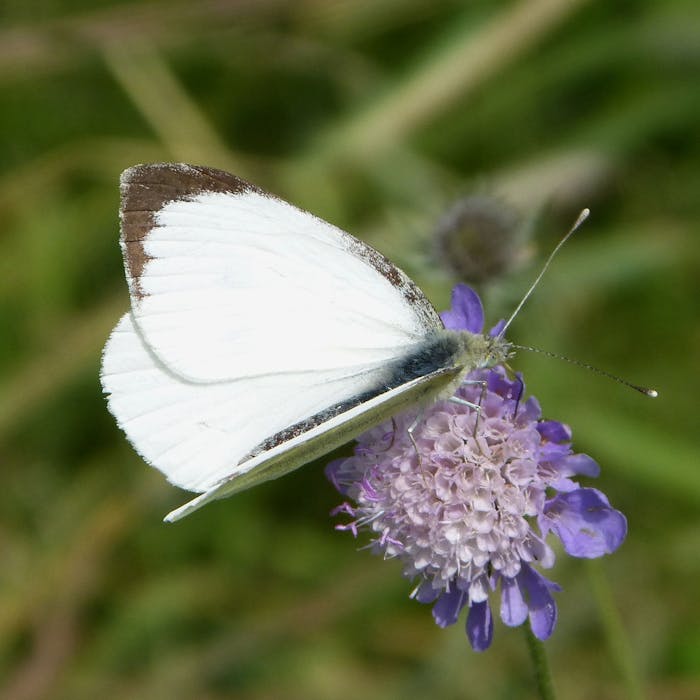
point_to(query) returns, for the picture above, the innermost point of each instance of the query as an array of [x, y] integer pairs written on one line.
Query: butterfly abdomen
[[440, 349]]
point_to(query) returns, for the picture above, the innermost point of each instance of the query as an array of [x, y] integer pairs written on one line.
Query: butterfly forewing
[[233, 283]]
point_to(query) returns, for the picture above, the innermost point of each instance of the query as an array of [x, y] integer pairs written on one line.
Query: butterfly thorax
[[470, 351], [460, 351], [477, 350]]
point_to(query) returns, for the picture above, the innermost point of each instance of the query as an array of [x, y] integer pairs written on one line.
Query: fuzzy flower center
[[456, 509]]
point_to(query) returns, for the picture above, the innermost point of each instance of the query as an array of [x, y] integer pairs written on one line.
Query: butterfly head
[[497, 350], [477, 350]]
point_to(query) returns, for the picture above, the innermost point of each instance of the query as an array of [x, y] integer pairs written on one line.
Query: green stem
[[543, 676]]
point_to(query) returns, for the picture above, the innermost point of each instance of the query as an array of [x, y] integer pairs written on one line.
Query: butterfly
[[261, 337]]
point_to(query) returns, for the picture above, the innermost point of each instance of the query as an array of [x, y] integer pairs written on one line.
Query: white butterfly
[[261, 337]]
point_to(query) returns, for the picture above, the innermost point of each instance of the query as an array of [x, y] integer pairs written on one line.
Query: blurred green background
[[376, 115]]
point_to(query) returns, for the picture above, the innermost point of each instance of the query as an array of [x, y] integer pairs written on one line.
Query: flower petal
[[554, 431], [448, 606], [500, 384], [496, 330], [480, 626], [467, 313], [426, 592], [585, 522], [529, 411], [513, 607], [579, 464], [332, 469], [535, 588]]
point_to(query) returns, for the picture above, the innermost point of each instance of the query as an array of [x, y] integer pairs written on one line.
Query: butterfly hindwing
[[321, 438]]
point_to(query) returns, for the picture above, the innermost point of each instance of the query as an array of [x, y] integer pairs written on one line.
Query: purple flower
[[468, 513], [467, 312]]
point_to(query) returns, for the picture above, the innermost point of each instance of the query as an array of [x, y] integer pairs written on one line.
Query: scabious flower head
[[468, 512], [480, 238]]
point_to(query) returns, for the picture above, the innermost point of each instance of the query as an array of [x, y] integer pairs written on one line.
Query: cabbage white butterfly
[[259, 336]]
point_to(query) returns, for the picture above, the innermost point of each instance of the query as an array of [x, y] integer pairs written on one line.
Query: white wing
[[321, 438], [249, 316], [232, 282], [197, 433]]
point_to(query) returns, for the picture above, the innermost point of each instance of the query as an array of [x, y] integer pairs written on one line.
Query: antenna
[[651, 393], [581, 218]]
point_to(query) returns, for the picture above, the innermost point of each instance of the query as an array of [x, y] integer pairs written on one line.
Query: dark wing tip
[[145, 189], [159, 183]]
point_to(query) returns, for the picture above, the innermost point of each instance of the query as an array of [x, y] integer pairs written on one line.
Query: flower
[[480, 238], [468, 509]]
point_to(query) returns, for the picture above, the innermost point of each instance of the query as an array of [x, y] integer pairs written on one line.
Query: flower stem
[[540, 665]]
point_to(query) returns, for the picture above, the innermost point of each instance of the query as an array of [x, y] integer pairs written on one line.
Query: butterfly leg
[[410, 430], [474, 406], [521, 391]]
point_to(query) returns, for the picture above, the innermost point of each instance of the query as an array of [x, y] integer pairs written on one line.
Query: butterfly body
[[261, 337]]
